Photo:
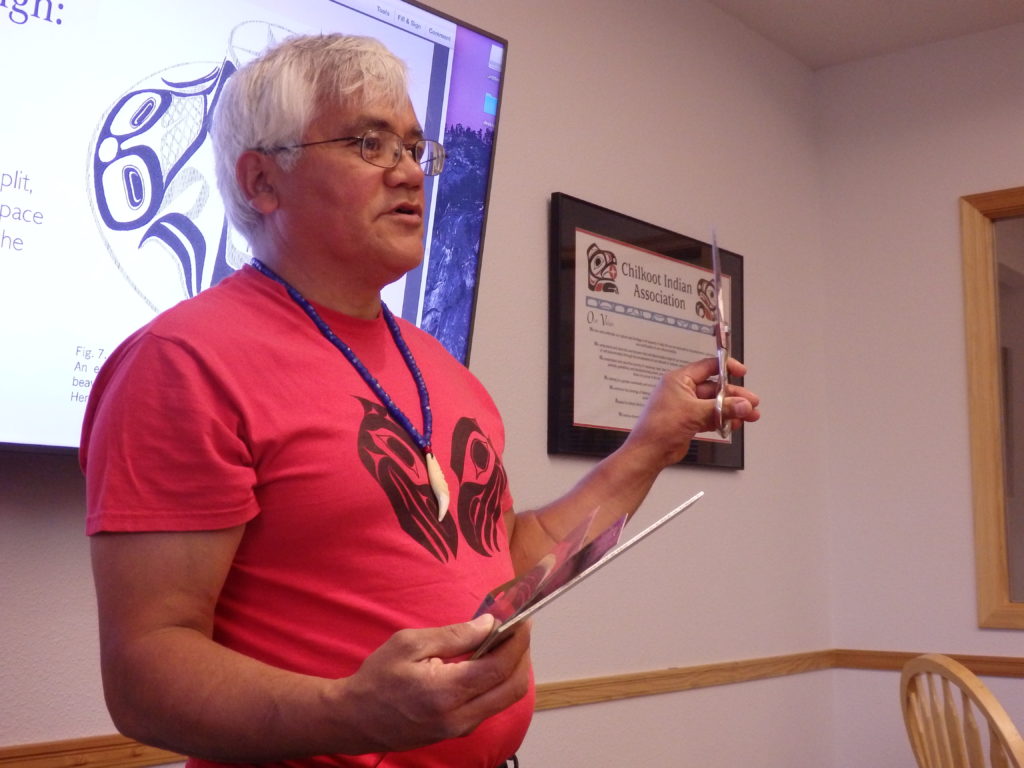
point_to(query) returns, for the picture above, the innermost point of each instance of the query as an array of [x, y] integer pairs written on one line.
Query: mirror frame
[[978, 214]]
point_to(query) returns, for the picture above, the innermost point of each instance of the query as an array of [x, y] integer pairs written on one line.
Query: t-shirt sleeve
[[164, 444]]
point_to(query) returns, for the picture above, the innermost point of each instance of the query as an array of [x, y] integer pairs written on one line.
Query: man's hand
[[683, 405], [419, 687]]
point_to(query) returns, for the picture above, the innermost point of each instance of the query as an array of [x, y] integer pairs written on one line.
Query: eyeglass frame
[[411, 148]]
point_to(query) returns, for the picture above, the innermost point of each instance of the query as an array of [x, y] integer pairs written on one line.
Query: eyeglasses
[[384, 149]]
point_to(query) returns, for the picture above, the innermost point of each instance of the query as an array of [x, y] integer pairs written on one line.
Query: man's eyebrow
[[376, 123]]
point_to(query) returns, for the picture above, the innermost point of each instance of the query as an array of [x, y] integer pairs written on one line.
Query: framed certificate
[[629, 301]]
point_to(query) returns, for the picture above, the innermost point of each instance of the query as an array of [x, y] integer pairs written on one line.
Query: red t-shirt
[[233, 408]]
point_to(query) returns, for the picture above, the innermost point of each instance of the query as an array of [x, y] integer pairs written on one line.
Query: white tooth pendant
[[437, 484]]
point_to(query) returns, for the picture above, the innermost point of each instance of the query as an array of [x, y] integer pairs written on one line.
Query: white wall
[[903, 137], [850, 525], [49, 670]]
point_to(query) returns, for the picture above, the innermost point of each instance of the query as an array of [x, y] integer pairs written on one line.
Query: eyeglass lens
[[384, 149]]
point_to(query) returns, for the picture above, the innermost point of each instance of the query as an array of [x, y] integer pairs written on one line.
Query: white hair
[[271, 101]]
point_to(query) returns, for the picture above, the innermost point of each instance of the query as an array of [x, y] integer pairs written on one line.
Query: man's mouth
[[407, 209]]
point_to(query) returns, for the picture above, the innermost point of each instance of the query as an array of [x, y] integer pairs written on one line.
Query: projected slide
[[109, 211]]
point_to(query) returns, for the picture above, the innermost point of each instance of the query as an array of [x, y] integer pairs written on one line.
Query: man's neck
[[325, 287]]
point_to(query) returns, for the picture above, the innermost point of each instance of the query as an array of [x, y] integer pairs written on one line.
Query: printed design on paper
[[602, 269], [151, 180]]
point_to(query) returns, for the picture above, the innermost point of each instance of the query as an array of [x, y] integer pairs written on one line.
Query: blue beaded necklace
[[434, 473]]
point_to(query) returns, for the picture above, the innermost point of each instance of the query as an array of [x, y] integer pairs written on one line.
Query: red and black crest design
[[394, 460], [482, 483], [707, 301], [602, 269]]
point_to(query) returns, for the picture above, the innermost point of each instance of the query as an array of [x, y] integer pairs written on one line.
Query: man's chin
[[400, 263]]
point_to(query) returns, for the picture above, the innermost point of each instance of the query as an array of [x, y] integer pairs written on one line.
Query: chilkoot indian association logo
[[707, 300], [602, 269]]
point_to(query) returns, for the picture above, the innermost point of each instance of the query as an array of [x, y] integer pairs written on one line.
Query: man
[[295, 500]]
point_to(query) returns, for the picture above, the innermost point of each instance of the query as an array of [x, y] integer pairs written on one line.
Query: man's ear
[[255, 173]]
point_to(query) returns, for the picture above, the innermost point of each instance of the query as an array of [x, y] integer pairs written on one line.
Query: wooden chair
[[943, 704]]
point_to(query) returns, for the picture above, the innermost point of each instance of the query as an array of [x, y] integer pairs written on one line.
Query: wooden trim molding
[[571, 693], [117, 751], [113, 751]]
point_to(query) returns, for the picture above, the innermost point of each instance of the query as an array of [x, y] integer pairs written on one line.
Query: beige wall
[[850, 526], [902, 138]]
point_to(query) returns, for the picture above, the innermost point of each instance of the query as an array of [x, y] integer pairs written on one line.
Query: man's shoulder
[[224, 310], [229, 327], [425, 342]]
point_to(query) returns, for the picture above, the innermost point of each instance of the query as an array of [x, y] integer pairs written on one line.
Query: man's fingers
[[700, 370], [735, 367], [501, 677], [446, 643], [462, 639]]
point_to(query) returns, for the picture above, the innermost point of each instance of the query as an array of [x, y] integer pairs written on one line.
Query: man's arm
[[680, 407], [168, 684]]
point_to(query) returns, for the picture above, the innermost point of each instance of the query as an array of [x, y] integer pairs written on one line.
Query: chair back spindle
[[943, 704]]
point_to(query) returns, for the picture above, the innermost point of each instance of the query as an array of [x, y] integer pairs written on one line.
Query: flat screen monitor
[[109, 212]]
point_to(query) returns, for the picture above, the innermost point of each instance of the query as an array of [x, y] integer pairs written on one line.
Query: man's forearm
[[614, 488], [178, 690]]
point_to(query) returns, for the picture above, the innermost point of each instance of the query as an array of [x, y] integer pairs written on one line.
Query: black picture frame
[[568, 215]]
